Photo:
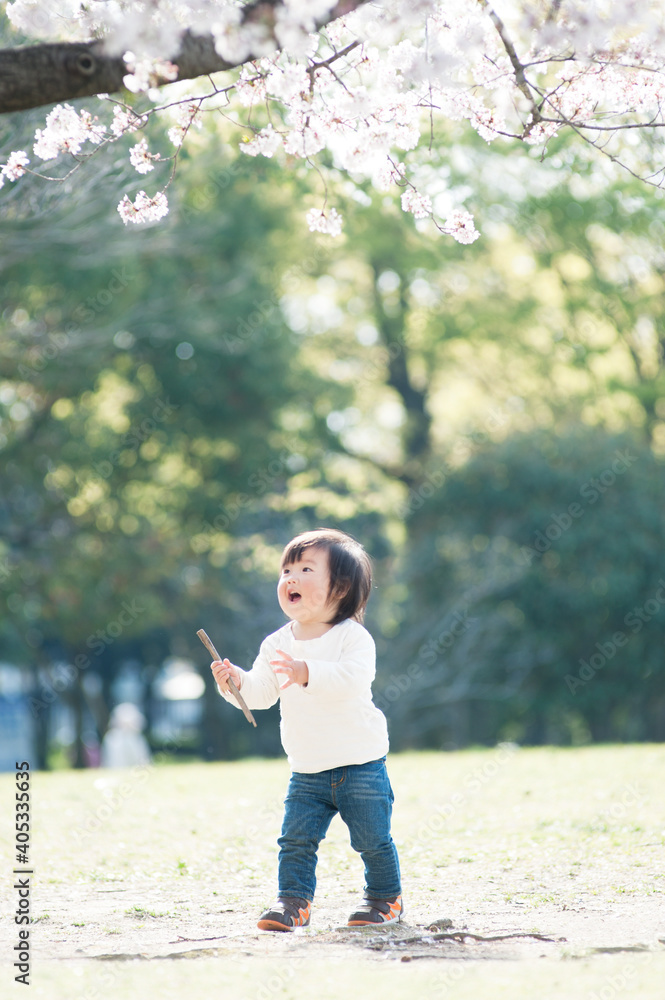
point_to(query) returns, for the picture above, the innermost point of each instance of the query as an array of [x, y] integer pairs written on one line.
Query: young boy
[[321, 665]]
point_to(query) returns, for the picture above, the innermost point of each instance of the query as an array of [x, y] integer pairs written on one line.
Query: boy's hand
[[296, 671], [221, 670]]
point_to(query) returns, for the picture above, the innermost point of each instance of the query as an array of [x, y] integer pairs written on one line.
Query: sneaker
[[286, 914], [377, 911]]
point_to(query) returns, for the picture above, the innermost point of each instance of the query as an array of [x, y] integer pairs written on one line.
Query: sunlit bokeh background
[[489, 420]]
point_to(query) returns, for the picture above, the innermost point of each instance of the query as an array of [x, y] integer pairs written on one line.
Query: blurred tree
[[553, 317], [175, 403], [551, 321], [536, 597], [363, 85], [140, 396]]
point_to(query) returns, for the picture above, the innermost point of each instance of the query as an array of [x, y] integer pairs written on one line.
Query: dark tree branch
[[35, 75], [43, 74], [518, 68]]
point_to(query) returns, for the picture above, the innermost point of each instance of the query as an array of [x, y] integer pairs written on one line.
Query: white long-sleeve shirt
[[332, 721]]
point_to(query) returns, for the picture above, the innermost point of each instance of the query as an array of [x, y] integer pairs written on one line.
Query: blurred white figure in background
[[124, 744]]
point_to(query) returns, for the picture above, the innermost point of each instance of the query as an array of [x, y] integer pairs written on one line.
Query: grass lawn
[[152, 880]]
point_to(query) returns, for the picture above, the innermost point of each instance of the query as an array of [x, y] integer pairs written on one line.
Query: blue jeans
[[362, 795]]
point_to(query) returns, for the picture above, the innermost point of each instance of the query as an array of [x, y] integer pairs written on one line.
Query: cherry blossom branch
[[36, 75], [303, 96], [644, 178], [577, 127], [459, 223], [326, 63], [520, 79], [618, 127]]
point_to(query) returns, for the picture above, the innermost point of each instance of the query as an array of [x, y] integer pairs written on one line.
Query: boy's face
[[302, 590]]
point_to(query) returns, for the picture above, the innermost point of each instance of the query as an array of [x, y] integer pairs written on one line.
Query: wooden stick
[[203, 636]]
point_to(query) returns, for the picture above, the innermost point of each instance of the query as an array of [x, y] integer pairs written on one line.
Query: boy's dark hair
[[349, 564]]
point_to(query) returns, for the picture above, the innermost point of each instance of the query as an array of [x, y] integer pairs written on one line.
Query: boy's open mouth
[[294, 597]]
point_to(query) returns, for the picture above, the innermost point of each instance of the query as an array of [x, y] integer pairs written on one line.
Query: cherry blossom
[[187, 115], [460, 225], [143, 208], [66, 131], [124, 120], [319, 222], [14, 167], [265, 143], [387, 174], [145, 73], [141, 158], [420, 205], [368, 91]]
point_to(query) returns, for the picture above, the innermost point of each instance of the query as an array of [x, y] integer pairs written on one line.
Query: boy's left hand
[[296, 671]]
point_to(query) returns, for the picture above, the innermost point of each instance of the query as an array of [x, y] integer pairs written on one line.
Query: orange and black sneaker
[[286, 914], [377, 911]]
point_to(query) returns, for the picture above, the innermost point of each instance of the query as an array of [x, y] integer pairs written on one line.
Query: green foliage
[[176, 401], [536, 596], [138, 403], [141, 389], [153, 410]]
